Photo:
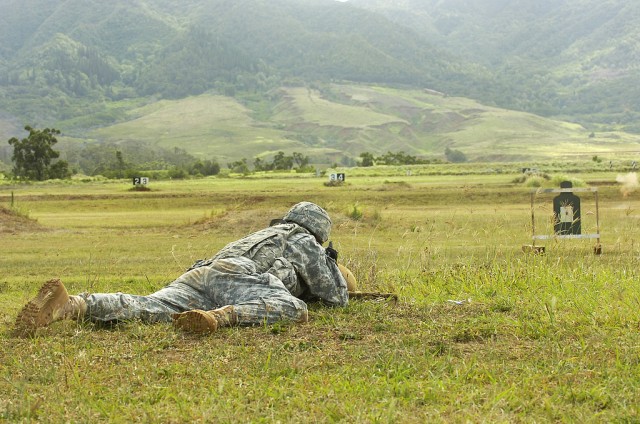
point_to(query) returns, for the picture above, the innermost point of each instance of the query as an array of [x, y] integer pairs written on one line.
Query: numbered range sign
[[140, 181], [337, 177]]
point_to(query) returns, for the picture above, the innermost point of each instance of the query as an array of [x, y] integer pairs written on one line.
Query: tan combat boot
[[199, 321], [52, 303]]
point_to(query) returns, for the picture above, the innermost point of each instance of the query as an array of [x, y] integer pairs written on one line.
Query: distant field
[[206, 126], [482, 331]]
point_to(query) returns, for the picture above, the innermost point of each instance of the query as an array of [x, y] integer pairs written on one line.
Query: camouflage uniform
[[265, 276]]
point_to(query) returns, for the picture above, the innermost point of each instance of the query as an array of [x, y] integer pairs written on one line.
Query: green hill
[[229, 79], [569, 59], [341, 121]]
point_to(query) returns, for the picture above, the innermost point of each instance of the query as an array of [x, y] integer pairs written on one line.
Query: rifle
[[373, 296]]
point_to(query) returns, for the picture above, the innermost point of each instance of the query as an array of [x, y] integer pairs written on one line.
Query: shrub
[[557, 179], [355, 212], [534, 181]]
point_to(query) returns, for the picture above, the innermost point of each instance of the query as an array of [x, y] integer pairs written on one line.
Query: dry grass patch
[[13, 221]]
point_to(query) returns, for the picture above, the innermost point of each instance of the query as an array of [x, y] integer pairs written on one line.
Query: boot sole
[[41, 310], [195, 321]]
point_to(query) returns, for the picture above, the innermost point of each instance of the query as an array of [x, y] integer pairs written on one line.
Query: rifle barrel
[[373, 295]]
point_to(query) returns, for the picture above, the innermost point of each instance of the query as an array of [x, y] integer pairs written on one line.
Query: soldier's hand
[[331, 252]]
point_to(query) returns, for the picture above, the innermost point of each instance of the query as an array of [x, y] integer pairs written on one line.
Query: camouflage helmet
[[311, 217]]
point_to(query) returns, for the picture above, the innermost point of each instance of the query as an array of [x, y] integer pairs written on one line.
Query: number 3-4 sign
[[337, 177]]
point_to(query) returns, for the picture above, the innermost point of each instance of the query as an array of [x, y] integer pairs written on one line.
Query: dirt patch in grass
[[12, 222]]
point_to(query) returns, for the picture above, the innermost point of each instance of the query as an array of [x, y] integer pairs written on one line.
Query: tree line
[[34, 158], [402, 158]]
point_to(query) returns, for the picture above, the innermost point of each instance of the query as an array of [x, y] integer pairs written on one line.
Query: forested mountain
[[89, 67], [121, 49], [576, 59]]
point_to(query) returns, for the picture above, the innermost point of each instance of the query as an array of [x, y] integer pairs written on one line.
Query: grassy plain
[[528, 339]]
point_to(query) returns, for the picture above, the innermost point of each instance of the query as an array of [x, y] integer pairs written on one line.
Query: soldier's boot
[[52, 303], [199, 321]]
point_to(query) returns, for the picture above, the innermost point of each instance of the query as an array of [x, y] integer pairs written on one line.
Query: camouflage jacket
[[292, 254]]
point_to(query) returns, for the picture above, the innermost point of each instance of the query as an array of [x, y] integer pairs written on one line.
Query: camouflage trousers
[[257, 297]]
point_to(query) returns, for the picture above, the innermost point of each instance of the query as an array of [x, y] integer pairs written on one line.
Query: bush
[[178, 174], [355, 212], [455, 156], [557, 179], [535, 181]]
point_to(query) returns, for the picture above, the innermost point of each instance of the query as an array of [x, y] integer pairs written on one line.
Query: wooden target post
[[540, 249]]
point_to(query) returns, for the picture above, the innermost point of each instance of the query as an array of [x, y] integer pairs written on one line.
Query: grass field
[[529, 338]]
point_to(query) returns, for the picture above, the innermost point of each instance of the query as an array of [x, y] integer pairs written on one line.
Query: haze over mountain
[[577, 59], [227, 79]]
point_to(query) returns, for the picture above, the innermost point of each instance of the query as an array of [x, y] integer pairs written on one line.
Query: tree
[[260, 165], [367, 159], [300, 160], [455, 156], [239, 166], [207, 167], [33, 156], [282, 162]]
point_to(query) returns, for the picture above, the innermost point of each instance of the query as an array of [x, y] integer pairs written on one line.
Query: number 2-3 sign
[[140, 181]]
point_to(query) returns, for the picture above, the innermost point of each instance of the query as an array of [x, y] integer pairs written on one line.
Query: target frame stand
[[532, 248]]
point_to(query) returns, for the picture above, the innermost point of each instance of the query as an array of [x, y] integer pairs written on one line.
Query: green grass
[[534, 338], [313, 108], [206, 126]]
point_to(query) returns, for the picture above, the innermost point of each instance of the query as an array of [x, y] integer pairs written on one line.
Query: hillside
[[84, 53], [341, 121], [572, 59]]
